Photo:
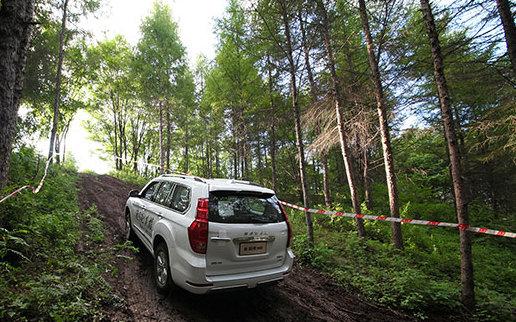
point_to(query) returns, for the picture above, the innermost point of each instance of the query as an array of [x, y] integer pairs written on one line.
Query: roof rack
[[183, 176], [238, 181]]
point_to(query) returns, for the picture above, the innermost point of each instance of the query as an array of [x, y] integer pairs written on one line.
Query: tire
[[162, 274], [129, 233]]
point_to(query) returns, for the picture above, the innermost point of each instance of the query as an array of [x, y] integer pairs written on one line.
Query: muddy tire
[[162, 274], [129, 233]]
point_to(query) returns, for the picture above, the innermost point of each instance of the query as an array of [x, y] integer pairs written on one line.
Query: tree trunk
[[217, 161], [115, 143], [161, 146], [343, 139], [509, 28], [297, 119], [273, 125], [259, 152], [57, 96], [15, 28], [326, 181], [169, 129], [57, 147], [367, 181], [381, 106], [65, 134], [461, 207], [187, 152], [122, 144], [313, 94]]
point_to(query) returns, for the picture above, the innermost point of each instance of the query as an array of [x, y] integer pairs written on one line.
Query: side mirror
[[134, 193]]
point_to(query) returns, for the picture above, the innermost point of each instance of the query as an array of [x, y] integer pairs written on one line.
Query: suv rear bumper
[[197, 282]]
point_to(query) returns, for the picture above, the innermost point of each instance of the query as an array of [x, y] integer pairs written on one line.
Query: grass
[[44, 275], [423, 279], [130, 177]]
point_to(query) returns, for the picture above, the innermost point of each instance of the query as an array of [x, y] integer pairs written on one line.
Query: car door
[[157, 208], [141, 206]]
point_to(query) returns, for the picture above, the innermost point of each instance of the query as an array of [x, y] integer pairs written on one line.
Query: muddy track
[[305, 295]]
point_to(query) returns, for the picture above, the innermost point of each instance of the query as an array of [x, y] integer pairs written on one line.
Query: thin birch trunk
[[57, 96]]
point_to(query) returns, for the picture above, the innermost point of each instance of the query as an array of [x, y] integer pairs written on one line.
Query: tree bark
[[326, 180], [169, 129], [15, 28], [187, 151], [64, 135], [368, 195], [461, 207], [509, 28], [343, 139], [161, 146], [313, 94], [381, 106], [297, 119], [57, 147], [273, 125], [118, 162], [57, 96], [217, 160]]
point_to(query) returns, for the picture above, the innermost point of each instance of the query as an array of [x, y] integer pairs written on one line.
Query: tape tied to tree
[[28, 186], [463, 227]]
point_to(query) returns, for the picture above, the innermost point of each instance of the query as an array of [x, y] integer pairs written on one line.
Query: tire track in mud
[[305, 295]]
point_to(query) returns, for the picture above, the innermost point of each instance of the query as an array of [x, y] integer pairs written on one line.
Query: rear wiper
[[258, 221]]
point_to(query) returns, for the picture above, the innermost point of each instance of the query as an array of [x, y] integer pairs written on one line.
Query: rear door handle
[[157, 213], [220, 239], [140, 205]]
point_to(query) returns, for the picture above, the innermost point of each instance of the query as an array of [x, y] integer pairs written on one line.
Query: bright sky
[[195, 19]]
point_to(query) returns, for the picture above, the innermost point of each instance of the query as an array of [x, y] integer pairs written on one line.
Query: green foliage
[[43, 274], [423, 279], [131, 177]]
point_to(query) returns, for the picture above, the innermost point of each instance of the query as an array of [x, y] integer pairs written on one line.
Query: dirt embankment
[[305, 295]]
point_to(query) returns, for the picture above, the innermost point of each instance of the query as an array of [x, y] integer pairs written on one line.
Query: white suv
[[210, 234]]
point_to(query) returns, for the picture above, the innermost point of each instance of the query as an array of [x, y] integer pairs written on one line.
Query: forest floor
[[305, 295]]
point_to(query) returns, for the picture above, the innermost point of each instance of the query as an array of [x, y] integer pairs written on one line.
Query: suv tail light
[[198, 230], [288, 224]]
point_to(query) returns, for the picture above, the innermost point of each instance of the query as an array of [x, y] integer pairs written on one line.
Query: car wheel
[[162, 269], [129, 234]]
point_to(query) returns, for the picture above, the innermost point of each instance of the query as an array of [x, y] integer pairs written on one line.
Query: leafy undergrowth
[[131, 177], [423, 279], [50, 266]]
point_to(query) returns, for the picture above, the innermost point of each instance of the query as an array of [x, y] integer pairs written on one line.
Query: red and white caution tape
[[34, 189], [404, 220], [138, 162]]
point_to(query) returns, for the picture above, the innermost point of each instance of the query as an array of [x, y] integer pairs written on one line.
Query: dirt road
[[305, 295]]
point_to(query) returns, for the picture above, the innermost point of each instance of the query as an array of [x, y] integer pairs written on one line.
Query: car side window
[[163, 192], [180, 198], [151, 190]]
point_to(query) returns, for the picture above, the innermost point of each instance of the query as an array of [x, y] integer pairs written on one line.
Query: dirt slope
[[305, 295]]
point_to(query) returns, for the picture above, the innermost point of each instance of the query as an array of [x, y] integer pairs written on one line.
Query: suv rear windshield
[[244, 208]]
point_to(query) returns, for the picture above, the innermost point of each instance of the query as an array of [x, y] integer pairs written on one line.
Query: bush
[[423, 279], [131, 177], [43, 276]]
